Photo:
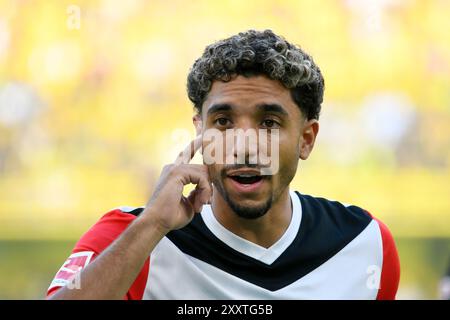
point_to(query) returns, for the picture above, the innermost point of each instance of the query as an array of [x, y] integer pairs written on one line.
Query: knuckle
[[172, 171]]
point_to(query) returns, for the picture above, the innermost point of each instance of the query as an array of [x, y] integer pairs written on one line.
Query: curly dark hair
[[254, 53]]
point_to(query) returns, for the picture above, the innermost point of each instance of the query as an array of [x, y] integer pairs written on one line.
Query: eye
[[222, 121], [269, 123]]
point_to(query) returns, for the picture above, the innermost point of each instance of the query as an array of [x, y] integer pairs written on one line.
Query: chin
[[252, 212], [247, 208], [249, 202]]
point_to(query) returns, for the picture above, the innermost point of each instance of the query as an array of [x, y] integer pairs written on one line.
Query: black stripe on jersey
[[326, 228], [136, 212]]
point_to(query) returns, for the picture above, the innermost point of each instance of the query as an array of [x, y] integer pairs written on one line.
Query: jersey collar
[[265, 255]]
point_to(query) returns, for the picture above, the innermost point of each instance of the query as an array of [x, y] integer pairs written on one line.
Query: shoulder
[[333, 216], [96, 240], [342, 223], [321, 213], [108, 228]]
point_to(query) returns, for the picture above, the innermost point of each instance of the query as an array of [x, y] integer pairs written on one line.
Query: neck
[[263, 231]]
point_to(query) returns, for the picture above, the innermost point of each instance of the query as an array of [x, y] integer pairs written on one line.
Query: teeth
[[246, 175]]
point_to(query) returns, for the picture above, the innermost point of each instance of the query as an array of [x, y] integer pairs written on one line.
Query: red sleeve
[[91, 244], [390, 270]]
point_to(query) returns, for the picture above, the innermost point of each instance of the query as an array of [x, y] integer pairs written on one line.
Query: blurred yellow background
[[93, 103]]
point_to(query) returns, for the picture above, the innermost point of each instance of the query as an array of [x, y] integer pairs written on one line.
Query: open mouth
[[246, 184], [246, 179]]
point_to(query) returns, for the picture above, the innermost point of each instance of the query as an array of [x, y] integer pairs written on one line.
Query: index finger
[[188, 153]]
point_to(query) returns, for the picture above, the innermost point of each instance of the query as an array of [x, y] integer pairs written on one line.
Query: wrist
[[148, 220]]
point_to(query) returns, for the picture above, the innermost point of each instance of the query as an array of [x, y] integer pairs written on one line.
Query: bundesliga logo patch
[[70, 268]]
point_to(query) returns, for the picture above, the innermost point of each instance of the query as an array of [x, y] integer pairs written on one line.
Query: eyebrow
[[273, 107], [264, 107], [218, 108]]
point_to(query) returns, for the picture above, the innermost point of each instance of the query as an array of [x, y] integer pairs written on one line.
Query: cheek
[[215, 149], [288, 145], [289, 157]]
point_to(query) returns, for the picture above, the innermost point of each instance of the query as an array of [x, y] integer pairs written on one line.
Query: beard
[[246, 212]]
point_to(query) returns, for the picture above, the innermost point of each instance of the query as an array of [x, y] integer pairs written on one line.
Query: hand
[[168, 208]]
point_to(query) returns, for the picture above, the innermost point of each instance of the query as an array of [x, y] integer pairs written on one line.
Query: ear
[[310, 129], [198, 124]]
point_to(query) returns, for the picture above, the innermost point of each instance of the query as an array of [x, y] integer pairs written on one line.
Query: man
[[240, 234]]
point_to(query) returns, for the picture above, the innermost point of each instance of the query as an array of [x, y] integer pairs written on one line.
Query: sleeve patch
[[74, 264]]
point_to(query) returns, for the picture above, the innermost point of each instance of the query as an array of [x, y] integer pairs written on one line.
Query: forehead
[[248, 92]]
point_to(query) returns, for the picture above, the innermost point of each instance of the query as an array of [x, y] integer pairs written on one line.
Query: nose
[[245, 149]]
